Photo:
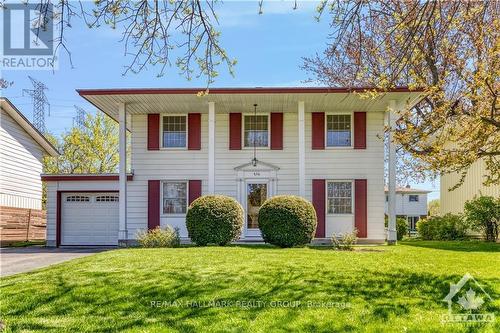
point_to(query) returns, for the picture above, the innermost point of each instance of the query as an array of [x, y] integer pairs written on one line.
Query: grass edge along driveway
[[253, 288]]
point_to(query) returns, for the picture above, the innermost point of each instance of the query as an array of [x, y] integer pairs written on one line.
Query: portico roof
[[277, 99]]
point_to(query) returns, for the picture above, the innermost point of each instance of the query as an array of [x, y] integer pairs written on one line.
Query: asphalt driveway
[[24, 259]]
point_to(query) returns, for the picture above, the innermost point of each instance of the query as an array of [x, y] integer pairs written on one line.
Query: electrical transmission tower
[[79, 119], [40, 102]]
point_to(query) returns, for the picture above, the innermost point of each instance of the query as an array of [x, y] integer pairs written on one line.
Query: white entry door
[[256, 193], [89, 218]]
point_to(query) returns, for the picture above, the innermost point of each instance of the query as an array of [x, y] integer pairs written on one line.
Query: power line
[[40, 101], [79, 119]]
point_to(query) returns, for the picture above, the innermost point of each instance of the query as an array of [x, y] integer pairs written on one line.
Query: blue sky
[[268, 47]]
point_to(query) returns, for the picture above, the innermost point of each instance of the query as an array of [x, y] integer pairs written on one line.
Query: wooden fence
[[20, 224]]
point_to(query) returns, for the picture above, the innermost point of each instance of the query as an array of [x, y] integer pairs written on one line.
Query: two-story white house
[[411, 204], [324, 144]]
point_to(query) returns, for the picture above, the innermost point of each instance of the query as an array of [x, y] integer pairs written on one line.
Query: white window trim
[[268, 114], [326, 130], [185, 115], [352, 196], [162, 214]]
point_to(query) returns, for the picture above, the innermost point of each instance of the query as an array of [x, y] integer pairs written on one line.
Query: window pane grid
[[174, 131], [338, 130], [174, 197], [256, 130], [107, 198], [339, 195]]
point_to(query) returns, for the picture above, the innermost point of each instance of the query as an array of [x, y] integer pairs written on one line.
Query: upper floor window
[[338, 130], [174, 197], [339, 197], [174, 131], [413, 198], [256, 131]]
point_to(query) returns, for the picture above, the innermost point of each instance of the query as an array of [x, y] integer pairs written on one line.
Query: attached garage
[[89, 218], [82, 210]]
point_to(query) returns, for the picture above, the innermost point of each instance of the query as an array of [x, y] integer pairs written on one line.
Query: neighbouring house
[[22, 148], [411, 204], [454, 201], [323, 144]]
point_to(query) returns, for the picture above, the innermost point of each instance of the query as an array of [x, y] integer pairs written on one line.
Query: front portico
[[257, 181]]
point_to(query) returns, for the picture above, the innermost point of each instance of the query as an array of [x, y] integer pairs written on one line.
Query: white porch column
[[302, 150], [211, 147], [392, 233], [122, 121]]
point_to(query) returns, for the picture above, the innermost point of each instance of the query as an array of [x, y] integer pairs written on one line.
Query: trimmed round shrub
[[214, 219], [287, 220]]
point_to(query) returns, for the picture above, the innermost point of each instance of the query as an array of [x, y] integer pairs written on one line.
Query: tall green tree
[[434, 207], [93, 148], [451, 49]]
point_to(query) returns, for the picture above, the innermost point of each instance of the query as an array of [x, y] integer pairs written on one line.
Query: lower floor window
[[174, 197], [339, 195], [412, 222]]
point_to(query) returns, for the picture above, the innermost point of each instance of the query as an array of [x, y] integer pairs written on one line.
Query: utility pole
[[40, 101], [79, 119]]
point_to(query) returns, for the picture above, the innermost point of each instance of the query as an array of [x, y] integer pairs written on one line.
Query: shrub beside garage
[[287, 220], [214, 219]]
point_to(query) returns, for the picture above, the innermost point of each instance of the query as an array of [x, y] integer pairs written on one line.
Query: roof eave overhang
[[83, 177], [256, 90], [28, 127]]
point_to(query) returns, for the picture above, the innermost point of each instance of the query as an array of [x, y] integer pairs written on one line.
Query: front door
[[256, 194]]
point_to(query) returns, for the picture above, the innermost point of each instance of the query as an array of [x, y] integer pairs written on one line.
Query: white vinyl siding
[[20, 166], [453, 201], [226, 160], [332, 164], [406, 207], [182, 165], [163, 165]]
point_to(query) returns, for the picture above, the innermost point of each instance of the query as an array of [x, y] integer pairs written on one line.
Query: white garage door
[[89, 219]]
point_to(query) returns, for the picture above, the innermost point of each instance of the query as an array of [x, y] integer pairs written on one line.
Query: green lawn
[[398, 288]]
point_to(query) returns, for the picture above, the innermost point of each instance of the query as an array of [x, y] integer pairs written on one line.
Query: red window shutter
[[153, 131], [360, 207], [359, 130], [194, 131], [235, 131], [153, 204], [318, 201], [276, 131], [194, 190], [318, 130]]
